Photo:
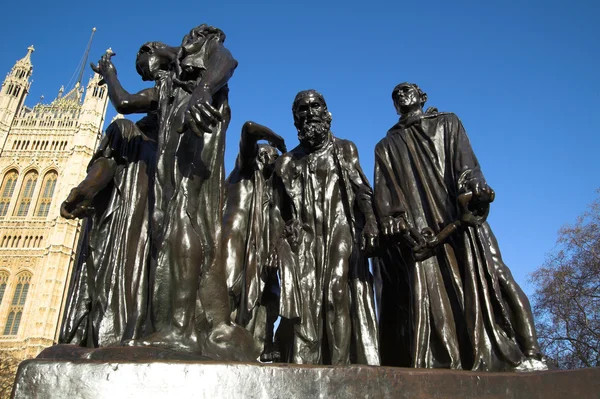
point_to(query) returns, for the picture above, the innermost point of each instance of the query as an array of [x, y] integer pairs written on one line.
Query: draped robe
[[246, 233], [448, 310], [189, 198], [109, 294], [320, 265]]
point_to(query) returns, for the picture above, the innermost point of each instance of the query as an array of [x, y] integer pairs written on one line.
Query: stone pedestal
[[159, 378]]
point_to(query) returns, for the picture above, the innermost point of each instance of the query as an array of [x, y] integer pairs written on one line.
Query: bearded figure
[[323, 227]]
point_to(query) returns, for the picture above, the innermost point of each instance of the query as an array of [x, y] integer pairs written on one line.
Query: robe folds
[[245, 247], [189, 194], [109, 293], [449, 310], [321, 267]]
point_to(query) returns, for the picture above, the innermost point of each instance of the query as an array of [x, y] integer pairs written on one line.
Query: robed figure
[[322, 220], [253, 288], [109, 294], [458, 307]]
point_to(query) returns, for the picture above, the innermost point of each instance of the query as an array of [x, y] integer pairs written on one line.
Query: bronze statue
[[245, 236], [322, 220], [448, 300], [188, 192], [109, 297], [186, 289]]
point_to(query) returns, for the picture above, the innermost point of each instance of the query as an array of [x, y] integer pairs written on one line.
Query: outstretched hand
[[105, 66]]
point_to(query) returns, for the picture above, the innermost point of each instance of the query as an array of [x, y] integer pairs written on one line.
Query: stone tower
[[44, 152], [14, 92]]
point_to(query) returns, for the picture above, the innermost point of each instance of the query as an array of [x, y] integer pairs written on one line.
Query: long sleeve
[[388, 196]]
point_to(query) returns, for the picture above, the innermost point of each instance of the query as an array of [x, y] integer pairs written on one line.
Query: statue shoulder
[[283, 163], [445, 116], [348, 147]]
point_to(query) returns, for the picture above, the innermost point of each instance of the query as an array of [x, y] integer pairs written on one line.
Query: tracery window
[[48, 186], [6, 191], [29, 183], [18, 303], [3, 281]]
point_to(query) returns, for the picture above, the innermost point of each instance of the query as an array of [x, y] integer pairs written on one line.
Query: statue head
[[408, 97], [152, 58], [266, 157], [311, 118]]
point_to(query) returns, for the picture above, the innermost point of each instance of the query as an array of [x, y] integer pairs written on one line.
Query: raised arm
[[252, 133], [123, 101], [219, 69]]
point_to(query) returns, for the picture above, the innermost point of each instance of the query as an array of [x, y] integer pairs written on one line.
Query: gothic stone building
[[44, 152]]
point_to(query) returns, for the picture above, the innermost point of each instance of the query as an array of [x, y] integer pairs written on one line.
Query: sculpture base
[[51, 378]]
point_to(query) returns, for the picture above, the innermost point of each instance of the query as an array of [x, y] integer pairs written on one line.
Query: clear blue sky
[[521, 75]]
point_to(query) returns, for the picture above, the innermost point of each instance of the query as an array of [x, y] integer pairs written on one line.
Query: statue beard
[[313, 133]]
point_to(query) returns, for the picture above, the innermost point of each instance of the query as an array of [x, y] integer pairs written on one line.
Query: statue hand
[[482, 193], [394, 226], [77, 205], [200, 115], [369, 236], [105, 66], [278, 142]]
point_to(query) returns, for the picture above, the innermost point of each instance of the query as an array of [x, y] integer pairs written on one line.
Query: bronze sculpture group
[[178, 258]]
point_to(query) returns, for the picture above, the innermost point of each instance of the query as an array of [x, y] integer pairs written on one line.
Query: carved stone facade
[[44, 152]]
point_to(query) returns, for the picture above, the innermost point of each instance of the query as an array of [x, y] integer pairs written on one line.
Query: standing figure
[[188, 293], [252, 287], [109, 296], [322, 216], [448, 300]]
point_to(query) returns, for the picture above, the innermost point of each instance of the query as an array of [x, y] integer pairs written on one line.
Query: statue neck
[[412, 114]]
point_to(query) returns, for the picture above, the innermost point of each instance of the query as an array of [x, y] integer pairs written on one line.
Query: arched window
[[18, 303], [6, 191], [48, 186], [3, 281], [29, 183]]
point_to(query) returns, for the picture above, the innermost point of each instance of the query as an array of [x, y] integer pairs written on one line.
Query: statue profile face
[[312, 119], [152, 58], [148, 65]]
